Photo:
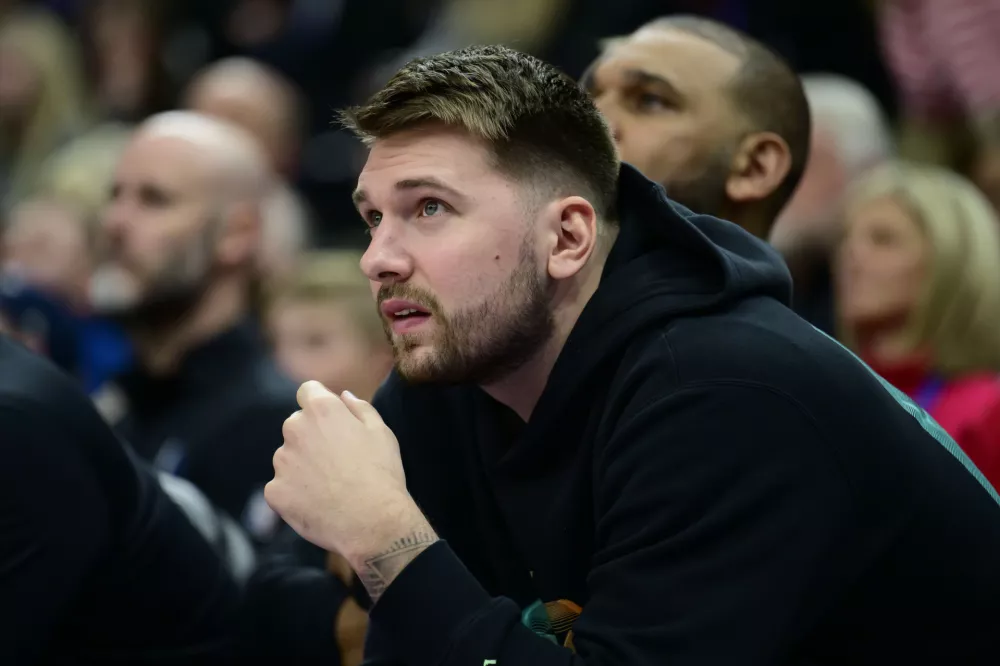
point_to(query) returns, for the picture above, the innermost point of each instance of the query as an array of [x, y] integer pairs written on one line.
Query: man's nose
[[386, 260]]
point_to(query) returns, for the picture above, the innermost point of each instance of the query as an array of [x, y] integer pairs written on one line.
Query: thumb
[[362, 410]]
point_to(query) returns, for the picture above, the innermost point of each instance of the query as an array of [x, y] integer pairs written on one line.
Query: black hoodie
[[708, 477]]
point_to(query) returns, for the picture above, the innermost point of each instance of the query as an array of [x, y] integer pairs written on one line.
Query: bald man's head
[[230, 157], [258, 99], [184, 214]]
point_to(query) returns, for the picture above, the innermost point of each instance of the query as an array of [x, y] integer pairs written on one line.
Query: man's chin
[[416, 363]]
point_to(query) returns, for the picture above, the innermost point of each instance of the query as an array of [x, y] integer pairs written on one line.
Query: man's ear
[[572, 223], [760, 166], [239, 237]]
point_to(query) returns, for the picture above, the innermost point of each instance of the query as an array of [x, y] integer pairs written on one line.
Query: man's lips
[[404, 316]]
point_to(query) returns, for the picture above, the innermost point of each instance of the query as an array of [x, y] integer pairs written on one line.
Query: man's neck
[[748, 217], [521, 389], [161, 351]]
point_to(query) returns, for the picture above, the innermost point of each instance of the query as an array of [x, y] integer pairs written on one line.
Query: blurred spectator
[[944, 58], [262, 102], [257, 98], [325, 326], [51, 237], [97, 565], [49, 247], [205, 402], [710, 113], [528, 24], [849, 136], [42, 100], [918, 296], [124, 44]]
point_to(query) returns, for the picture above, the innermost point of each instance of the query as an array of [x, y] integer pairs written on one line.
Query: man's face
[[161, 227], [664, 95], [453, 261]]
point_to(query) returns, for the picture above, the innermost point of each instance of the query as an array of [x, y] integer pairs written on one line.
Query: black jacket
[[216, 422], [97, 566], [708, 477]]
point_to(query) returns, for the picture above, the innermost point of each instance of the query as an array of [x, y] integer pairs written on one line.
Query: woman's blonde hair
[[332, 276], [79, 175], [59, 113], [957, 317]]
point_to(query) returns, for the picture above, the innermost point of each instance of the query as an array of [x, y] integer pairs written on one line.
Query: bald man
[[258, 99], [710, 113], [183, 231]]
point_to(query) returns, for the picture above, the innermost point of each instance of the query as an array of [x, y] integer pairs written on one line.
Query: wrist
[[395, 518], [397, 539]]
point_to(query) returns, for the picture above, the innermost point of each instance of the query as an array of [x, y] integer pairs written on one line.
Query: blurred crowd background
[[892, 236]]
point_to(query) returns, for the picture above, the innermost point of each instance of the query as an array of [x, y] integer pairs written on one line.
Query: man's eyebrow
[[641, 77], [359, 196]]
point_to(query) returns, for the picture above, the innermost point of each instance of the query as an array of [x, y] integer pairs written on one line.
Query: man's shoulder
[[757, 341], [34, 387]]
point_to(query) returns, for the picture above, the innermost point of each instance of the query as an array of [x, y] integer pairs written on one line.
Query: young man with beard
[[710, 113], [606, 433], [205, 401]]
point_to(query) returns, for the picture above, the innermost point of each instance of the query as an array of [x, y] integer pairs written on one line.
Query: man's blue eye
[[431, 208]]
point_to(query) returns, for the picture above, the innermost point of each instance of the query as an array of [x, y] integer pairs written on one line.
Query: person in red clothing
[[918, 297]]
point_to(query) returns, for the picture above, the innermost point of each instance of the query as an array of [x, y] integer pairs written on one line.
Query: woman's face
[[881, 265]]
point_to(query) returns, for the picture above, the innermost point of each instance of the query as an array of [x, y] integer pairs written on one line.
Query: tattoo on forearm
[[379, 571]]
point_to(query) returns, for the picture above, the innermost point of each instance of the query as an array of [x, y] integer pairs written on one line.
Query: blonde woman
[[42, 97], [918, 297]]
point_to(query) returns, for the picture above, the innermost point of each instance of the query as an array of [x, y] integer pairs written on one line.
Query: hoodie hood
[[667, 262]]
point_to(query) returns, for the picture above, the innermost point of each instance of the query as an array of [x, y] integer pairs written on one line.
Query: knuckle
[[323, 404], [289, 426], [271, 494]]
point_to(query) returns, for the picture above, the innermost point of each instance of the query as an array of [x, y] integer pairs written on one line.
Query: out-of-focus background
[[892, 236], [68, 67]]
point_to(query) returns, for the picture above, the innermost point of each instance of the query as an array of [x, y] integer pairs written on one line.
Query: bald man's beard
[[167, 297], [704, 190], [480, 344]]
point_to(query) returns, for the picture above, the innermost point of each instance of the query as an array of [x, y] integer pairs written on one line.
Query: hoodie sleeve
[[720, 518]]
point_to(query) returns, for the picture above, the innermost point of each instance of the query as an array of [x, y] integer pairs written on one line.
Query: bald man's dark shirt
[[216, 422]]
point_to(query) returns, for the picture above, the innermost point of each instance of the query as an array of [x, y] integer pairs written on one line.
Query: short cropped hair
[[540, 126], [331, 277], [765, 90]]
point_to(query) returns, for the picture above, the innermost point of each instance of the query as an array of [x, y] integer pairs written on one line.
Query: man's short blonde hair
[[332, 277]]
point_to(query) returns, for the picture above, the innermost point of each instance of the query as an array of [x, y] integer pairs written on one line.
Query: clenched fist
[[339, 482]]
